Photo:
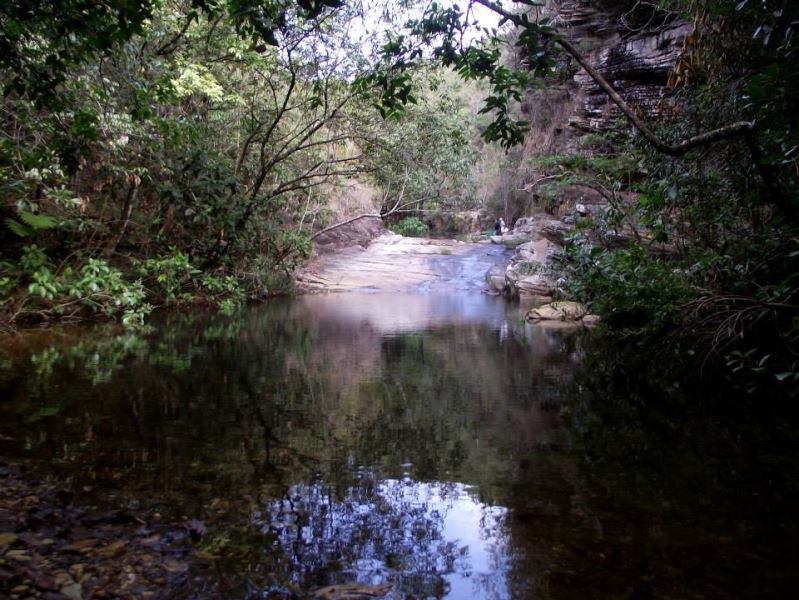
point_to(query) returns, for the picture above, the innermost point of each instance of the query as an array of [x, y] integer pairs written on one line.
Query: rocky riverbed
[[393, 263], [524, 264]]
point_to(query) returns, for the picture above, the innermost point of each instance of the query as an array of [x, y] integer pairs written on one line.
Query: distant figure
[[498, 227], [502, 228]]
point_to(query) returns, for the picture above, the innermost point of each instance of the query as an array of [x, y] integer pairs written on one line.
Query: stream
[[420, 445]]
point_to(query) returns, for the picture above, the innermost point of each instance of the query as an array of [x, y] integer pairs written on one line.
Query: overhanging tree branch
[[739, 128], [398, 207], [744, 129]]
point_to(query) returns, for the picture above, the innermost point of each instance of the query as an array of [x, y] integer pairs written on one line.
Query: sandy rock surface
[[391, 263]]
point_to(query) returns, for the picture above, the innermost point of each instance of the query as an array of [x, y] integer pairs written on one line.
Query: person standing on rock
[[502, 228], [497, 227]]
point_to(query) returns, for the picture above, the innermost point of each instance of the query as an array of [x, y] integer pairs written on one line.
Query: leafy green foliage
[[172, 141], [168, 276], [95, 288], [41, 41], [425, 158], [628, 287], [411, 227], [614, 167], [30, 223], [442, 29]]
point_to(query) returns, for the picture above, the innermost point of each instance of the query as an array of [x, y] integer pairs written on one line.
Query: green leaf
[[37, 222], [18, 228]]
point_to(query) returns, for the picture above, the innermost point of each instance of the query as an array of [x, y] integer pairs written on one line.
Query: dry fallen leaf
[[174, 566], [81, 546], [151, 540], [114, 550]]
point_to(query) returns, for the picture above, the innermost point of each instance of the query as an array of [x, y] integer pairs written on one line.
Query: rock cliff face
[[357, 233], [563, 114], [637, 64]]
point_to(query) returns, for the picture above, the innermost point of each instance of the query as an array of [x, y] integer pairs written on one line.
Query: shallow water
[[420, 440]]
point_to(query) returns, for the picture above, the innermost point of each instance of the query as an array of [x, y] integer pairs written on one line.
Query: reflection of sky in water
[[282, 403], [477, 527], [428, 539], [396, 313]]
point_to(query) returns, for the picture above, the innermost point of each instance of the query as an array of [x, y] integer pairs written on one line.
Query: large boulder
[[510, 240], [555, 231], [525, 253], [533, 278], [534, 285], [534, 268], [360, 232], [525, 225], [460, 222], [495, 278]]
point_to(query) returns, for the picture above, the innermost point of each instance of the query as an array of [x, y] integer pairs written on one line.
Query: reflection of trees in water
[[373, 532], [204, 407], [182, 410], [203, 401], [661, 491], [207, 407]]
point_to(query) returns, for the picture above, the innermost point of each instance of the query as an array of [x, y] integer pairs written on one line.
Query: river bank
[[58, 543]]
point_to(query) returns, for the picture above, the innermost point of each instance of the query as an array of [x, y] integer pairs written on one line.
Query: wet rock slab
[[392, 263]]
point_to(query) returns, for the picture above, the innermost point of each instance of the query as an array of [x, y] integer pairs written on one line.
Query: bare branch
[[172, 44], [397, 208]]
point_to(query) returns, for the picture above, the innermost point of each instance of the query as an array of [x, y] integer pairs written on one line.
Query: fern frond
[[18, 228], [37, 222]]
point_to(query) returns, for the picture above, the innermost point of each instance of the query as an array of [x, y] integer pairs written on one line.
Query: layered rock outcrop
[[636, 63], [558, 152], [459, 222], [358, 233], [534, 268], [565, 111]]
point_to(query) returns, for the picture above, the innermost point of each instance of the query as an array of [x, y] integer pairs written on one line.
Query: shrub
[[169, 276], [95, 288], [411, 227]]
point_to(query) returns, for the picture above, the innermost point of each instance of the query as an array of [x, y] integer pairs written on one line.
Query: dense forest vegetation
[[156, 152]]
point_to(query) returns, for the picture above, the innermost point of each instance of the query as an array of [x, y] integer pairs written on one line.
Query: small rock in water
[[352, 591], [558, 311], [73, 591], [590, 320]]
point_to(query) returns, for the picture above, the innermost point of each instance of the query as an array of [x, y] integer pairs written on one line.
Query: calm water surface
[[423, 440]]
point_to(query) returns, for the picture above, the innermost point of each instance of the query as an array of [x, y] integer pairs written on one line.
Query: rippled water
[[412, 440]]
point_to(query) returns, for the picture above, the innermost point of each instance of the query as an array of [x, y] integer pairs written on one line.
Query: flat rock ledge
[[391, 263]]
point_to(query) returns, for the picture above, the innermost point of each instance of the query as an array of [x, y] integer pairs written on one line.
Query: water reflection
[[368, 438], [426, 443], [396, 313], [430, 540]]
